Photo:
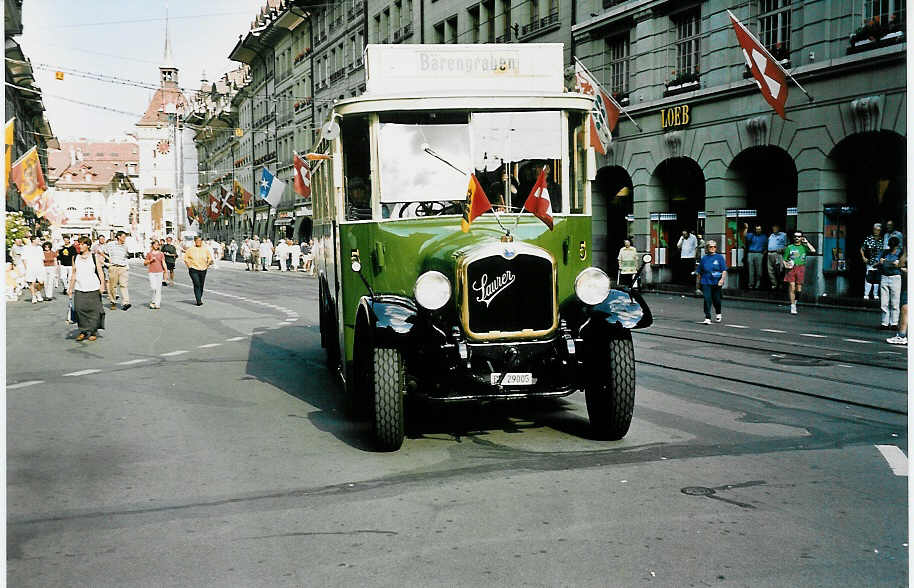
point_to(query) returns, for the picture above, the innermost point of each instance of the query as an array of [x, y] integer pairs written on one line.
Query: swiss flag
[[538, 201], [227, 201], [603, 116], [213, 210], [302, 183], [767, 72]]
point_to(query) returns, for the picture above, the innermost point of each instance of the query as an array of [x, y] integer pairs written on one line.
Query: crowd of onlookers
[[259, 255]]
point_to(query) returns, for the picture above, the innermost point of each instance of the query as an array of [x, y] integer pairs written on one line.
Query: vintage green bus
[[411, 305]]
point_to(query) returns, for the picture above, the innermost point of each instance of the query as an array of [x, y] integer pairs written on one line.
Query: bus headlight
[[433, 290], [591, 286]]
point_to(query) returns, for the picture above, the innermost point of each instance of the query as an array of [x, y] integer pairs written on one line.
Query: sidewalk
[[770, 297]]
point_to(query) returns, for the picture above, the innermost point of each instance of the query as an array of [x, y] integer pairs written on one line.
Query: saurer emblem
[[489, 290]]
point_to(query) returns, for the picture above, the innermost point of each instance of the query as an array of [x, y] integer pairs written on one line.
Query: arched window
[[89, 212], [71, 212]]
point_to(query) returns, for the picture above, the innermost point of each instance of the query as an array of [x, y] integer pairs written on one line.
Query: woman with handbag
[[869, 252], [86, 285]]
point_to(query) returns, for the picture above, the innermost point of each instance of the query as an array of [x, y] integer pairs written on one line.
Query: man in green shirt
[[795, 262]]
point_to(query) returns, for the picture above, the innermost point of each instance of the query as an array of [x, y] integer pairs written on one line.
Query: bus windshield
[[425, 162]]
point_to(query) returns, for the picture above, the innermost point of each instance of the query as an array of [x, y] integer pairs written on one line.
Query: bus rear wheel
[[387, 382]]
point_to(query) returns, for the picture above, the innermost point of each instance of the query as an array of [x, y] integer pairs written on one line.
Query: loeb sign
[[397, 69]]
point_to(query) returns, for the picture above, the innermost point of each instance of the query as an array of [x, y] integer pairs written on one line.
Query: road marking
[[895, 458], [82, 373], [736, 326], [856, 341], [24, 384], [844, 365], [208, 345], [773, 331], [812, 335], [890, 352], [171, 353], [776, 355], [133, 361], [236, 338]]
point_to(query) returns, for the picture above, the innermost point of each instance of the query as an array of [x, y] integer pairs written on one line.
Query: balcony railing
[[356, 10], [338, 75], [540, 24], [873, 34], [403, 33], [355, 65], [503, 38], [321, 37]]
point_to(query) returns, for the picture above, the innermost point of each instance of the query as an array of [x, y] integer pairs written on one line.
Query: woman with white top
[[86, 285]]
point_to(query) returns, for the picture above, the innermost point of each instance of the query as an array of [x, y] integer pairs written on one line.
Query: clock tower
[[164, 145]]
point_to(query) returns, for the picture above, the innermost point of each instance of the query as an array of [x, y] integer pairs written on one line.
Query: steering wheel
[[432, 208]]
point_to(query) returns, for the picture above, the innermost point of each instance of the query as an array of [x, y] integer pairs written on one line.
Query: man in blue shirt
[[891, 232], [756, 243], [777, 242], [713, 272]]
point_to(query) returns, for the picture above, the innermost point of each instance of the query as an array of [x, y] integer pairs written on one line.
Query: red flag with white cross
[[538, 202], [765, 69], [302, 183]]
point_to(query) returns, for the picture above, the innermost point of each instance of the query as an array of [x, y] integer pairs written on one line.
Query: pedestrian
[[266, 254], [12, 290], [16, 251], [795, 264], [233, 251], [171, 257], [155, 261], [687, 245], [50, 270], [65, 256], [33, 260], [901, 337], [890, 285], [713, 272], [756, 245], [777, 242], [118, 271], [282, 253], [295, 248], [87, 281], [891, 232], [255, 253], [198, 259], [246, 254], [628, 263], [869, 253], [307, 256]]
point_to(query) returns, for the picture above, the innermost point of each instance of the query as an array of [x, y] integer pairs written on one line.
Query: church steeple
[[168, 72]]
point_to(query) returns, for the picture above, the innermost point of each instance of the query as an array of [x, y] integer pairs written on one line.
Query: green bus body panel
[[410, 247]]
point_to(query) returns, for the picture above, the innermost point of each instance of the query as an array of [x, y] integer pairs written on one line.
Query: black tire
[[387, 381], [610, 387], [322, 315]]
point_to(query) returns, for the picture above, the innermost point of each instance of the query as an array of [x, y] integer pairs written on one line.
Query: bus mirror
[[591, 164]]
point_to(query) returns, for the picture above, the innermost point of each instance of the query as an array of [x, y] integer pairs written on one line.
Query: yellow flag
[[26, 172], [10, 124], [58, 75]]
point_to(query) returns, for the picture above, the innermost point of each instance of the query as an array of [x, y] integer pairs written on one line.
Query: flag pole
[[608, 95], [771, 57]]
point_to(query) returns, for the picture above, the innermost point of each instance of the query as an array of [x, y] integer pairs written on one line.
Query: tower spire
[[168, 60], [168, 71]]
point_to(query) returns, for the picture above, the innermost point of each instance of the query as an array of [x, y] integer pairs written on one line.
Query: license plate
[[513, 379]]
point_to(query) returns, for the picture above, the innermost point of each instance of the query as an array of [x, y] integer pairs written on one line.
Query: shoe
[[696, 291], [126, 307], [92, 337], [34, 301], [897, 340], [199, 303], [164, 283], [80, 337], [884, 327], [706, 322], [894, 327], [793, 309], [113, 306], [718, 318]]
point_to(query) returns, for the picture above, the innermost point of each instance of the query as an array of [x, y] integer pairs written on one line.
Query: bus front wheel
[[387, 381]]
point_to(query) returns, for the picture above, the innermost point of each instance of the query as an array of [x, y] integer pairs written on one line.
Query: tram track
[[841, 355], [726, 378]]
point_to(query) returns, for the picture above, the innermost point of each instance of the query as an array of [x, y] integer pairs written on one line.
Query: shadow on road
[[291, 359]]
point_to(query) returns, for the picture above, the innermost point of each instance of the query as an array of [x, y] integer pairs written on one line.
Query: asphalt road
[[206, 446]]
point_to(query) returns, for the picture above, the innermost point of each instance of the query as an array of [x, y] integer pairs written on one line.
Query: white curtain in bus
[[512, 136], [409, 173]]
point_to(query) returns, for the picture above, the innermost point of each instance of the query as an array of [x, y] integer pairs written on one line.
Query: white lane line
[[844, 365], [896, 459], [773, 331], [24, 384], [82, 373], [236, 338], [208, 345], [776, 355], [812, 335], [133, 361], [889, 353], [856, 341], [737, 326], [171, 353]]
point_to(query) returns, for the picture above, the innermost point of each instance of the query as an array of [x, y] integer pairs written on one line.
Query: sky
[[124, 39]]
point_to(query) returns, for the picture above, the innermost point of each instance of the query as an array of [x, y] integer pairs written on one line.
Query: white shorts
[[33, 274]]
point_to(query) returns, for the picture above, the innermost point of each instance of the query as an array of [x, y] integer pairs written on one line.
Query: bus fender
[[392, 318], [624, 309]]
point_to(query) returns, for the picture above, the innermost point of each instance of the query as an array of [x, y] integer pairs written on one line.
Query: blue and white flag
[[270, 188]]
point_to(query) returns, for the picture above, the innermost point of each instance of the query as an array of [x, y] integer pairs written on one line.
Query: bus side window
[[577, 158], [356, 144]]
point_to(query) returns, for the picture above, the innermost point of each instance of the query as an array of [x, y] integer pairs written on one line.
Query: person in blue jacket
[[712, 270]]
